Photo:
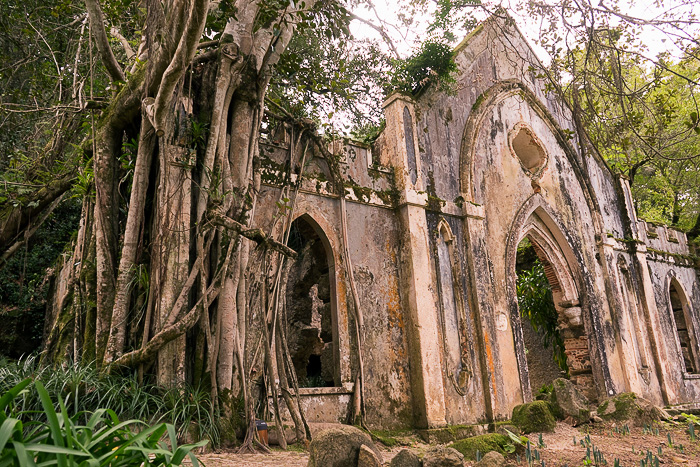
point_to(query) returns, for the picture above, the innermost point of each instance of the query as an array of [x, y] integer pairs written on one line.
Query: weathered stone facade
[[435, 211]]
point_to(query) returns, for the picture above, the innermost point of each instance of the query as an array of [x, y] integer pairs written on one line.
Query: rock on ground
[[482, 443], [567, 401], [441, 456], [405, 458], [339, 447], [368, 458], [631, 408], [492, 459], [534, 417]]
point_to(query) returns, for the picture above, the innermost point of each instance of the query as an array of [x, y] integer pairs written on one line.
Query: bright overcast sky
[[406, 39]]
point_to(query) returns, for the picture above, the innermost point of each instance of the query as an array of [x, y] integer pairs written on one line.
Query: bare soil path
[[559, 450]]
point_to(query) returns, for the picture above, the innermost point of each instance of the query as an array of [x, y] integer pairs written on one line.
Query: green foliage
[[452, 15], [537, 305], [369, 132], [83, 390], [643, 118], [432, 63], [545, 392], [64, 440], [318, 78]]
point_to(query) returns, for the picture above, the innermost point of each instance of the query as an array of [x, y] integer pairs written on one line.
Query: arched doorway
[[310, 306], [557, 337]]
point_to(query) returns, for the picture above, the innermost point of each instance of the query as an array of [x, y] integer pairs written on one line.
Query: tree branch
[[218, 217], [183, 55], [100, 34]]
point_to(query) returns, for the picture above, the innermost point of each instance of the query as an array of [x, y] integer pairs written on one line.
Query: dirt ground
[[613, 441]]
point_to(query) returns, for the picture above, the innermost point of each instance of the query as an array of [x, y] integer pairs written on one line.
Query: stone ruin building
[[435, 211]]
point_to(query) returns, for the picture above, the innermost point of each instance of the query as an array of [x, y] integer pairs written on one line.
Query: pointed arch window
[[680, 311], [632, 319], [452, 318]]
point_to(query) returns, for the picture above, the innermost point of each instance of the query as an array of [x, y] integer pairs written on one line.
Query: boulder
[[492, 459], [405, 458], [567, 401], [339, 447], [368, 458], [442, 456], [534, 417], [628, 407]]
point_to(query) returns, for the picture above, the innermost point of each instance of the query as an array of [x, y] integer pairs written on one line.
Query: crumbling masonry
[[436, 209]]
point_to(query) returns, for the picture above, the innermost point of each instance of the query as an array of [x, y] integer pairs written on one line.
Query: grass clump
[[84, 390]]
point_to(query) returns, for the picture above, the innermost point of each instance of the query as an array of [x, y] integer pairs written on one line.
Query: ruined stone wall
[[466, 160], [373, 245], [435, 212]]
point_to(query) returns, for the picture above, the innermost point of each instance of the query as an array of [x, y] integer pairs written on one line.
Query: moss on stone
[[390, 438], [534, 417], [483, 444], [625, 406]]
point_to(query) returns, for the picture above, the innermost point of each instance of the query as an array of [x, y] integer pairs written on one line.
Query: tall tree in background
[[639, 106], [164, 168]]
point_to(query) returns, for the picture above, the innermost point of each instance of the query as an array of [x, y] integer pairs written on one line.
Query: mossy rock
[[567, 401], [534, 417], [484, 443], [631, 408]]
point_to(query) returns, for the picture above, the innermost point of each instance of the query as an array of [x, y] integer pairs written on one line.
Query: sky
[[407, 38]]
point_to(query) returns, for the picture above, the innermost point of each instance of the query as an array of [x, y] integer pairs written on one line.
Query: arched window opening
[[544, 345], [528, 149], [684, 331], [309, 309]]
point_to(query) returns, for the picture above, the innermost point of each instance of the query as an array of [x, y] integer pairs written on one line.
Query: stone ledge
[[325, 391]]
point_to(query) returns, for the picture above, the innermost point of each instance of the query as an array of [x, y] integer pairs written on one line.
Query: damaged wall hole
[[526, 146], [310, 304]]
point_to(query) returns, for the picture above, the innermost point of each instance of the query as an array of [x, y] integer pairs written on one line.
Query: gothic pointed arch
[[563, 265], [681, 319], [487, 101], [452, 311], [311, 305]]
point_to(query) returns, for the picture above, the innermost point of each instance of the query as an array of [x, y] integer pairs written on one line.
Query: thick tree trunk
[[106, 220], [173, 227], [132, 233]]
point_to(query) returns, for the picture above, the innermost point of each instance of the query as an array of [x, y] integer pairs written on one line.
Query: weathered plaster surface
[[435, 211]]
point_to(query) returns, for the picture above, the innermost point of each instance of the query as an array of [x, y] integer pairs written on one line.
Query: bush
[[103, 440]]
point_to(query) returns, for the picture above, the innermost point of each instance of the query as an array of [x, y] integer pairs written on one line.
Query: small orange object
[[261, 427]]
